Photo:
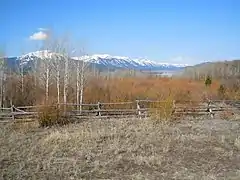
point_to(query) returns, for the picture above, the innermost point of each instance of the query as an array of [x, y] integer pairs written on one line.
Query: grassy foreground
[[121, 149]]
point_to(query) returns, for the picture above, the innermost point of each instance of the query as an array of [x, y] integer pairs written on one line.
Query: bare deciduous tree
[[45, 71], [78, 82], [1, 78], [81, 69], [57, 59]]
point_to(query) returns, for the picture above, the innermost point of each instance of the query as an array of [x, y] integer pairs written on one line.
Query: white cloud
[[42, 29], [38, 36], [182, 60]]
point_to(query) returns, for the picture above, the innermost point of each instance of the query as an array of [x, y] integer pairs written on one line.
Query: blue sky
[[182, 31]]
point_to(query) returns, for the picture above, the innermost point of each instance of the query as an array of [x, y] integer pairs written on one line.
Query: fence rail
[[139, 108]]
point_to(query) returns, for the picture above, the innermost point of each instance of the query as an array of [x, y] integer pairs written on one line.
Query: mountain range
[[103, 61], [129, 63]]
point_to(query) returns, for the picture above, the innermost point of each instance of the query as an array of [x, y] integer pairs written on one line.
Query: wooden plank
[[19, 110], [25, 120], [152, 101], [105, 110], [9, 117], [100, 117], [5, 109], [24, 113], [5, 113], [6, 121], [200, 110], [73, 104], [223, 101], [30, 107], [191, 113], [105, 113], [118, 103], [189, 108]]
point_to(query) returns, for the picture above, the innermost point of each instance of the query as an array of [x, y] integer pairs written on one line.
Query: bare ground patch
[[122, 149]]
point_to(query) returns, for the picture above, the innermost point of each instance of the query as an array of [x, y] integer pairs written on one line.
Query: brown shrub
[[162, 110], [115, 90], [50, 115]]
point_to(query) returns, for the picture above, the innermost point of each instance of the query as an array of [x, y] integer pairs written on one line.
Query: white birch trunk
[[65, 86], [22, 81], [81, 87], [4, 89], [1, 84], [78, 84], [47, 83], [58, 83]]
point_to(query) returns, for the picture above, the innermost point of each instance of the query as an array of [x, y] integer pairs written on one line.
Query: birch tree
[[78, 82], [58, 61], [81, 67], [22, 76], [66, 73], [1, 78], [82, 80], [45, 72], [57, 65], [66, 57], [47, 59], [84, 66]]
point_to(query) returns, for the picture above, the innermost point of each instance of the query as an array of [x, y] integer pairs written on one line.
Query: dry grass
[[162, 111], [122, 149]]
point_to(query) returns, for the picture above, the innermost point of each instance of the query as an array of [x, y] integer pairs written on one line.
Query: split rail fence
[[138, 108]]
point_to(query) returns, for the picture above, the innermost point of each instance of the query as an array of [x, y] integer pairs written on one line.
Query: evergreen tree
[[208, 81]]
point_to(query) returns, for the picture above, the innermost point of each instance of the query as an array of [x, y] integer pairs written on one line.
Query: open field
[[122, 149]]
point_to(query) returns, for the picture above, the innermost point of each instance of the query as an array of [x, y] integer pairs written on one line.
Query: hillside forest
[[56, 79]]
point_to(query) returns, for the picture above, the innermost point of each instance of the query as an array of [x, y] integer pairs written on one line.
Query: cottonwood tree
[[66, 53], [82, 69], [2, 68], [57, 63], [46, 56], [11, 85], [49, 61], [57, 66], [36, 73], [47, 68], [45, 72], [78, 81], [82, 81], [3, 77], [21, 66]]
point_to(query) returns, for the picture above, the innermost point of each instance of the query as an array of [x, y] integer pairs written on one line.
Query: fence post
[[138, 109], [209, 109], [99, 109], [79, 107], [12, 111], [174, 106]]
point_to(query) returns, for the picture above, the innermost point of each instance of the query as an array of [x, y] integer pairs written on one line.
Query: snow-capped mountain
[[102, 61], [126, 62], [26, 58]]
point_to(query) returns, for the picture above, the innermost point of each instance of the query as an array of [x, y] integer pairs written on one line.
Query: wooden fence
[[138, 108]]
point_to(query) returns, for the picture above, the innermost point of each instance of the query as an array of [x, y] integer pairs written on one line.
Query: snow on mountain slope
[[26, 58], [127, 62], [105, 60], [39, 54]]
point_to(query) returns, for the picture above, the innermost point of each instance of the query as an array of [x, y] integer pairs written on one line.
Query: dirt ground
[[122, 149]]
